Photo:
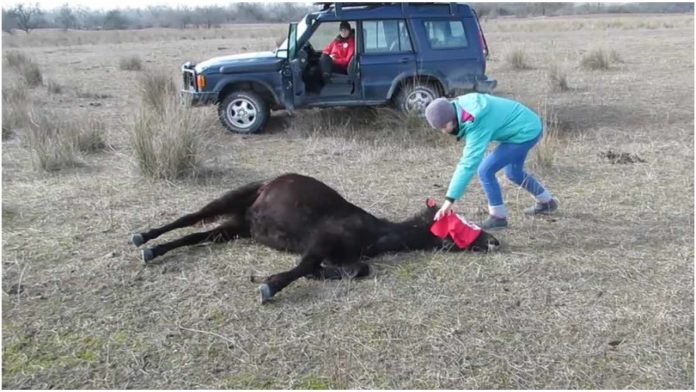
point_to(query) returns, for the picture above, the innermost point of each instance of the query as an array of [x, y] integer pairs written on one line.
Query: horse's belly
[[288, 232]]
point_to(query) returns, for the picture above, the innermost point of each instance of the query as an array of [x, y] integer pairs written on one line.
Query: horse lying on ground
[[302, 215]]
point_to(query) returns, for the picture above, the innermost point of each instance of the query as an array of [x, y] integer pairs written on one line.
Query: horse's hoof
[[148, 255], [265, 293], [137, 239]]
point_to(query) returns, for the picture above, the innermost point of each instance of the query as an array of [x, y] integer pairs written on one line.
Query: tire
[[243, 112], [414, 97]]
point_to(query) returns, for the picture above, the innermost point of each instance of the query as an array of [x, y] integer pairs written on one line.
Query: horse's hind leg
[[234, 202], [210, 211], [226, 232]]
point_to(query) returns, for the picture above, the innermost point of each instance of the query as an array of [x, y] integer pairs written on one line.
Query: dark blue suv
[[406, 54]]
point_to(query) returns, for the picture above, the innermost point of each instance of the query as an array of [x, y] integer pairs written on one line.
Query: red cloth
[[462, 232], [342, 49]]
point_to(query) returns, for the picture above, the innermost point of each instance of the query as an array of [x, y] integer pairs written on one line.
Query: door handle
[[404, 60]]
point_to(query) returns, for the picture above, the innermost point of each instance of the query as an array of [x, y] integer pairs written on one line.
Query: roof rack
[[339, 7]]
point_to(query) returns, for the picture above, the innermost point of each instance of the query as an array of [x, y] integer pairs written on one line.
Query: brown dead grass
[[598, 296]]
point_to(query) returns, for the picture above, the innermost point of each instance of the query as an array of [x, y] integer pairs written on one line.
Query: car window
[[282, 50], [446, 34], [385, 36], [325, 33]]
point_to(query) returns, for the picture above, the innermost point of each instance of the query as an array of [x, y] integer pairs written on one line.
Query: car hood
[[246, 62]]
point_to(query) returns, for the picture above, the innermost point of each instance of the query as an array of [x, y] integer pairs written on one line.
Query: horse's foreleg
[[224, 233], [274, 283], [330, 272]]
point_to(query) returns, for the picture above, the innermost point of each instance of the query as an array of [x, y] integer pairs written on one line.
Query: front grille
[[189, 79]]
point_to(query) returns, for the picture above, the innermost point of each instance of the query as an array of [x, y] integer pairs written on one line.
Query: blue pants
[[510, 156]]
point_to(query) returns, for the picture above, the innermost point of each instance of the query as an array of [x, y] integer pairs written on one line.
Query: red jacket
[[342, 49]]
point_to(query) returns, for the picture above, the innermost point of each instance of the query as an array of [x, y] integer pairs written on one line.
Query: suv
[[406, 54]]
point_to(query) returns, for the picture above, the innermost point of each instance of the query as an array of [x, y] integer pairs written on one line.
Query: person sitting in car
[[337, 55]]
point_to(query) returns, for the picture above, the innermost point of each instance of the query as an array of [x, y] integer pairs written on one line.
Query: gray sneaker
[[493, 222], [542, 208]]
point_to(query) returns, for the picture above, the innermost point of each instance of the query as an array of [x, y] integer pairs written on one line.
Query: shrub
[[132, 63], [545, 152], [596, 60], [57, 142], [53, 87], [557, 78], [156, 88], [518, 60], [27, 68], [168, 138], [15, 108]]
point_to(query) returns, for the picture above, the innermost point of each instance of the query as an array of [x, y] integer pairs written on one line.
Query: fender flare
[[227, 82], [405, 75]]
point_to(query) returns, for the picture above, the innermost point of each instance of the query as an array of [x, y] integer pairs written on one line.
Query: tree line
[[27, 17]]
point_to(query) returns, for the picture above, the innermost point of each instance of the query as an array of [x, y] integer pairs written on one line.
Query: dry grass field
[[598, 296]]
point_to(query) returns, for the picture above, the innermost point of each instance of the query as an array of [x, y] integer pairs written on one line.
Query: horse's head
[[485, 242]]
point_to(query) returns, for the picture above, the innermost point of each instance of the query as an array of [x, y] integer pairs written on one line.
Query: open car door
[[293, 86]]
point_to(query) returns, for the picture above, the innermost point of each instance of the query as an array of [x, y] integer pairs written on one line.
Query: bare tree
[[66, 18], [211, 16], [9, 21], [114, 20], [26, 16]]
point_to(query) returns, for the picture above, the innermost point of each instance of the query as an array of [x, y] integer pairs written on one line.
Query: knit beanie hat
[[439, 112]]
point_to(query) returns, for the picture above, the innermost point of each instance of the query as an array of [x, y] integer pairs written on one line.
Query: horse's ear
[[430, 203]]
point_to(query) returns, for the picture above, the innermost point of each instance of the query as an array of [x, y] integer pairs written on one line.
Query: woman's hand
[[446, 209]]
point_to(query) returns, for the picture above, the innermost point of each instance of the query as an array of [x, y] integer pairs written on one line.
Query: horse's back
[[291, 207], [294, 189]]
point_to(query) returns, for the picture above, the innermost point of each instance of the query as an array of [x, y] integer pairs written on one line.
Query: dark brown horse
[[303, 215]]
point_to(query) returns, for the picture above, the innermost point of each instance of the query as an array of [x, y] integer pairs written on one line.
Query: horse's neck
[[395, 237]]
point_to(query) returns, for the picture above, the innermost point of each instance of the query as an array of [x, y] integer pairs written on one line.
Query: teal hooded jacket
[[484, 118]]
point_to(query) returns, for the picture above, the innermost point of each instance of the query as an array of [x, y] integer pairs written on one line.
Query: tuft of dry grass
[[54, 87], [383, 126], [81, 93], [57, 142], [131, 63], [546, 151], [49, 143], [597, 60], [517, 59], [615, 57], [167, 138], [15, 59], [558, 78], [88, 136], [26, 67], [156, 89], [15, 108]]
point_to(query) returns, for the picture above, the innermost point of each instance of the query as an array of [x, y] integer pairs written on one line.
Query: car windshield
[[282, 50]]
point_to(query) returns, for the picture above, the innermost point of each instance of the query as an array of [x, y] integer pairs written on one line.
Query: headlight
[[200, 81]]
